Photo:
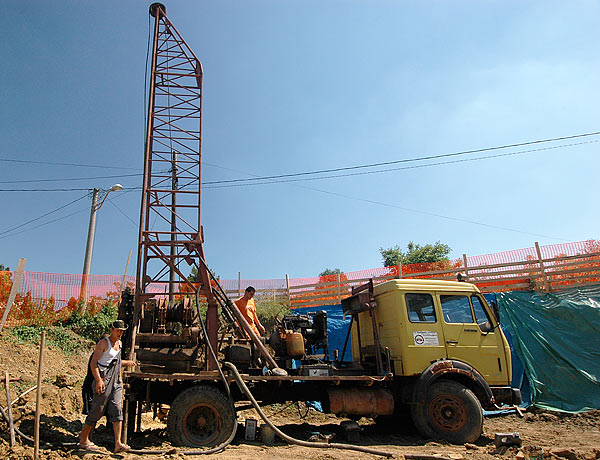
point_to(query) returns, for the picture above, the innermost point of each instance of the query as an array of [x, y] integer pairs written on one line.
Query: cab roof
[[423, 285]]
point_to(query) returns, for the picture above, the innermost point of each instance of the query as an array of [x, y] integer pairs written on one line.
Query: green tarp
[[557, 336]]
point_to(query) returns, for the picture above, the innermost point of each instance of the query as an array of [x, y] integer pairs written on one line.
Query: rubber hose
[[27, 438], [322, 445]]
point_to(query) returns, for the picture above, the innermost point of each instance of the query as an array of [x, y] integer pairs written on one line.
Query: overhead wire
[[69, 179], [215, 184], [14, 160], [271, 178], [57, 189], [422, 158], [380, 203], [4, 235], [43, 215], [45, 223]]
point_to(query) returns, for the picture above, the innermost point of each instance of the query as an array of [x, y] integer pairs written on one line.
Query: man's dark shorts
[[109, 400]]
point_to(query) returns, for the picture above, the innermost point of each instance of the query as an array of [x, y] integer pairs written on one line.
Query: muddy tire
[[451, 412], [201, 416]]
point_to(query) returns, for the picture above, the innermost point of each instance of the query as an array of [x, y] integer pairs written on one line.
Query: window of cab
[[456, 309], [420, 308], [463, 309]]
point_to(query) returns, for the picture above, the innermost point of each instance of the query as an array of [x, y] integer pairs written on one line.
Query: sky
[[293, 86]]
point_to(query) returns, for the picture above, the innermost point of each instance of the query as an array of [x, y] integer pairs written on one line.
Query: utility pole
[[87, 261], [89, 247]]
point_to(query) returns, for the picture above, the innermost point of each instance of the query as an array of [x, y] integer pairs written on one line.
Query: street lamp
[[87, 262]]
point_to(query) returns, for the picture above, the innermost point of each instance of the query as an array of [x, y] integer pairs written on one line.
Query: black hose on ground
[[27, 438], [322, 445]]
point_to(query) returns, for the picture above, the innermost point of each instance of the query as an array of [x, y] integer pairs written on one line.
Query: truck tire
[[201, 416], [451, 412]]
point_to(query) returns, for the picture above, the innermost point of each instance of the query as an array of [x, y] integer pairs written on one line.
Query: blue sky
[[305, 85]]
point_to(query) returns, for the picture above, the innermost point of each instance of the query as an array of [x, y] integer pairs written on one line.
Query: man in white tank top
[[107, 387]]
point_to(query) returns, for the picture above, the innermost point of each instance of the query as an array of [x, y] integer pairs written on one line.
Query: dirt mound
[[545, 435]]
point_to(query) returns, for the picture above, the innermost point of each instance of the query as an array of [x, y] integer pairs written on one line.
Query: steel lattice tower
[[171, 236]]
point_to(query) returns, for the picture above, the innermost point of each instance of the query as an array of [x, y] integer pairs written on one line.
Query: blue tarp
[[337, 327], [554, 340], [557, 339]]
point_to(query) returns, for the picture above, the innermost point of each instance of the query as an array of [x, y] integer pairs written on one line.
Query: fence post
[[544, 277], [124, 276], [287, 284], [239, 284], [339, 286], [14, 289], [466, 266]]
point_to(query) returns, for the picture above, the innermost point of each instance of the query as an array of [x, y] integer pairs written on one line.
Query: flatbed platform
[[214, 375]]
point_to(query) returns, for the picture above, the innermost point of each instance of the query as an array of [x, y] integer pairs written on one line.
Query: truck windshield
[[456, 309]]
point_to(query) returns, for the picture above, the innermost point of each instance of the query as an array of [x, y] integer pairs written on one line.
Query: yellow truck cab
[[448, 354]]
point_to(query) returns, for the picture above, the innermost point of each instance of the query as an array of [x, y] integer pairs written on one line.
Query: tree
[[4, 269], [415, 254], [329, 271]]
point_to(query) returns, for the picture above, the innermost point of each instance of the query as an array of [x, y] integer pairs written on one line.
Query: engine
[[301, 336]]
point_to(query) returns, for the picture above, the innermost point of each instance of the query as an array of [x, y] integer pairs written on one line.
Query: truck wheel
[[451, 412], [201, 416]]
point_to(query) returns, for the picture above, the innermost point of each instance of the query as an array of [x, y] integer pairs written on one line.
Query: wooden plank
[[591, 255], [576, 276], [317, 292], [315, 303], [11, 424], [568, 286], [591, 273], [535, 271], [574, 264], [504, 287], [343, 282], [14, 289]]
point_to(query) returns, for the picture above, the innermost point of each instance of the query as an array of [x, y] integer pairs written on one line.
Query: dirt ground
[[544, 435]]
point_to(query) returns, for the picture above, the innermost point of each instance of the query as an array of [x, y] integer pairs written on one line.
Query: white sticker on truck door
[[426, 338]]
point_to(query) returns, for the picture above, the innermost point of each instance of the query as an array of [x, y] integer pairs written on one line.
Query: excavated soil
[[545, 435]]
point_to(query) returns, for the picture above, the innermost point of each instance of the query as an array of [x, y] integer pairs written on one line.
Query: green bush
[[270, 312], [92, 327], [56, 336]]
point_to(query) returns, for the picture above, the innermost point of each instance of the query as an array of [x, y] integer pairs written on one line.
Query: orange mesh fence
[[45, 298]]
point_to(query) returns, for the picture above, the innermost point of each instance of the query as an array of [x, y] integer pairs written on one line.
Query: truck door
[[424, 338], [470, 336]]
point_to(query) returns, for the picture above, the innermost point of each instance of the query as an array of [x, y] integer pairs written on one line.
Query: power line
[[57, 189], [68, 179], [14, 160], [407, 160], [266, 179], [380, 203], [304, 173], [463, 160], [64, 217], [43, 215], [44, 224], [457, 219]]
